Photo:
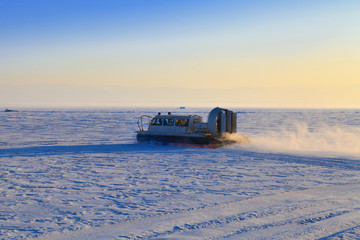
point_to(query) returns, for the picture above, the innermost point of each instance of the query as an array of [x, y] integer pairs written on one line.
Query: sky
[[293, 54]]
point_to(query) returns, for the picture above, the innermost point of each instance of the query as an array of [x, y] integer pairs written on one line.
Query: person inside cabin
[[182, 122], [168, 122]]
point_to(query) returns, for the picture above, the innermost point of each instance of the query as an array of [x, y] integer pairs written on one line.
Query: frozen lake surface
[[79, 174]]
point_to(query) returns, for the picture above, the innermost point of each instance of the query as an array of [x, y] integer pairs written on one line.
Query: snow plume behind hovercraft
[[330, 141]]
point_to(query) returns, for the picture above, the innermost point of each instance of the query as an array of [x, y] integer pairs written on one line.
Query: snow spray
[[237, 138], [327, 141]]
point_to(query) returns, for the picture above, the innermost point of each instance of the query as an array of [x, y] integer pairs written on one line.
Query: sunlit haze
[[180, 53]]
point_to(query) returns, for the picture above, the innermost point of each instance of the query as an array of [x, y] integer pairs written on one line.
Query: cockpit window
[[156, 121], [168, 122], [182, 122]]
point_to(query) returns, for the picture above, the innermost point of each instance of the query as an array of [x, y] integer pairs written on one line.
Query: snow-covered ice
[[79, 174]]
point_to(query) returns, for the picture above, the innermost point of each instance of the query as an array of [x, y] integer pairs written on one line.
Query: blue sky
[[53, 20], [140, 46]]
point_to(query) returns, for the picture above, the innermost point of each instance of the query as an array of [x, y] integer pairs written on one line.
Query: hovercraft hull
[[191, 140]]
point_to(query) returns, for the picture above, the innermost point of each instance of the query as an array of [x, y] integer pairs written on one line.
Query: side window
[[182, 122], [186, 122], [156, 121], [168, 122], [197, 120]]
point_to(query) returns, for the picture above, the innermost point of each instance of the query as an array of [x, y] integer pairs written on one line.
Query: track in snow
[[326, 212]]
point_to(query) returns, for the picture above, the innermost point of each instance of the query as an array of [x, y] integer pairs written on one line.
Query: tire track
[[297, 214], [350, 233]]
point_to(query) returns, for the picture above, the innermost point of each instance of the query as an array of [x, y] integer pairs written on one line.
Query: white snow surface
[[79, 174]]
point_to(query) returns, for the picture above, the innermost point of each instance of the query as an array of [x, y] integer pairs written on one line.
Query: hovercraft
[[188, 130]]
